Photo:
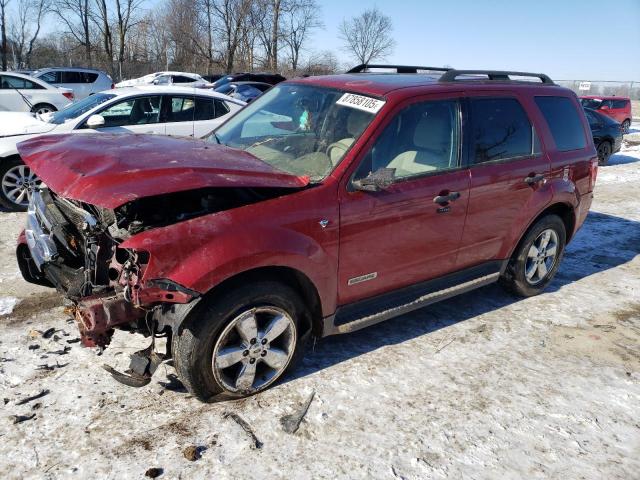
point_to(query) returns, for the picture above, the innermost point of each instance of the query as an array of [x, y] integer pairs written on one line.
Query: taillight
[[593, 172], [113, 85], [69, 95]]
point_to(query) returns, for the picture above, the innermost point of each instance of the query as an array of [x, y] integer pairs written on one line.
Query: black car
[[245, 91], [270, 78], [607, 134]]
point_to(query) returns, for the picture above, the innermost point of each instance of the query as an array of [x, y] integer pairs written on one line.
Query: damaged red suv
[[327, 205]]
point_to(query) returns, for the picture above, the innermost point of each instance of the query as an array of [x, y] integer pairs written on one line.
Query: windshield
[[300, 129], [591, 103], [76, 109]]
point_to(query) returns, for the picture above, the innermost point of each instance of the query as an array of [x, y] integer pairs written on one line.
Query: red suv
[[618, 108], [328, 205]]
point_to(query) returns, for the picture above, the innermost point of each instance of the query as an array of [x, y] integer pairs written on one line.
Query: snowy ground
[[481, 386]]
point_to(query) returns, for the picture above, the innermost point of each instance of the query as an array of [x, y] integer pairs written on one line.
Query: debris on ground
[[41, 394], [64, 351], [257, 444], [193, 453], [48, 333], [73, 340], [51, 367], [22, 418], [154, 472], [34, 346], [291, 423], [173, 384]]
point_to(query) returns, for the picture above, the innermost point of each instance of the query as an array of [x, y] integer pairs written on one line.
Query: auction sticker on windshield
[[366, 104]]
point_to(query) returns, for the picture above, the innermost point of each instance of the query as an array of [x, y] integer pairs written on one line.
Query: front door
[[410, 231], [508, 173], [133, 115]]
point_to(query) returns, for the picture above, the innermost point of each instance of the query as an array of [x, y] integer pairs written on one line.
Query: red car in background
[[618, 108]]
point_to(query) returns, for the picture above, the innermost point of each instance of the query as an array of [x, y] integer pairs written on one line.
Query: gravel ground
[[480, 386]]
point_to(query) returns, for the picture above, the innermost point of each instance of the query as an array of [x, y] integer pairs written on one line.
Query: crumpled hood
[[22, 123], [110, 170]]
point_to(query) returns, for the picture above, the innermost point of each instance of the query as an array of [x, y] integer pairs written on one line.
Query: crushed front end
[[74, 247]]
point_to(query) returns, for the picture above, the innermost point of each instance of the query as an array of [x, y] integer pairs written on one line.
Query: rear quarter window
[[620, 103], [564, 121]]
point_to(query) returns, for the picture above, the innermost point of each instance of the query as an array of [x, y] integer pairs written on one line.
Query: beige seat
[[356, 123], [431, 149]]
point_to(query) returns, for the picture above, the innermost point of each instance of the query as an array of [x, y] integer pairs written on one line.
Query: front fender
[[203, 252]]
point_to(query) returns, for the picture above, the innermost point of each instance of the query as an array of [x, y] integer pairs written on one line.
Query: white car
[[22, 93], [82, 81], [152, 110], [180, 79]]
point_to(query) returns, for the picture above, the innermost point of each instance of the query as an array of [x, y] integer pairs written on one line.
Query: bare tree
[[26, 29], [368, 36], [76, 16], [103, 20], [300, 18], [126, 11], [231, 15], [3, 27]]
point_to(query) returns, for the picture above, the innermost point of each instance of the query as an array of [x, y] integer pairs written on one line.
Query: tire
[[16, 181], [604, 152], [213, 328], [626, 125], [515, 278], [43, 108]]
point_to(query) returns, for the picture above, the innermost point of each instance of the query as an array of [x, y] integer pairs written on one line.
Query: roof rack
[[494, 75], [398, 68]]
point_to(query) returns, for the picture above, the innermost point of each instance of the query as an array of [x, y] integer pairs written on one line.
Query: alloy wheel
[[625, 126], [254, 349], [44, 109], [18, 182], [604, 152], [541, 257]]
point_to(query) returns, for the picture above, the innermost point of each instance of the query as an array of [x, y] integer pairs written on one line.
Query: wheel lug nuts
[[264, 353], [245, 353], [253, 341], [252, 361], [264, 341]]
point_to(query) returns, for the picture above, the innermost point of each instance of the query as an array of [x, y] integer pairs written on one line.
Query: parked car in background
[[607, 134], [617, 108], [327, 205], [22, 93], [213, 77], [270, 78], [245, 91], [83, 81], [166, 111], [180, 79]]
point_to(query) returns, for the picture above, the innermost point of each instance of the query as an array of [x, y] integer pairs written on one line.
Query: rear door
[[508, 173], [192, 115], [400, 236]]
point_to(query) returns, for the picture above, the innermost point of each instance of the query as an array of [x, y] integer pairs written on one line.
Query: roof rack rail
[[494, 75], [398, 68]]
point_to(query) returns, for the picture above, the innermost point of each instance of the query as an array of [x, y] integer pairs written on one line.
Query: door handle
[[444, 199], [532, 179]]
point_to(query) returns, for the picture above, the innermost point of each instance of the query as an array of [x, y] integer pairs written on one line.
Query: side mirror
[[381, 179], [604, 107], [95, 121]]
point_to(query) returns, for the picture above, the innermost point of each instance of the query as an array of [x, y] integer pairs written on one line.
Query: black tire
[[193, 343], [7, 164], [40, 107], [626, 125], [604, 150], [514, 278]]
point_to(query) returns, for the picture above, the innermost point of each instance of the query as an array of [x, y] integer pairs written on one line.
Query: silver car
[[83, 81]]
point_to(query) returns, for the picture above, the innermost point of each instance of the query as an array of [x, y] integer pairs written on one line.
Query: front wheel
[[240, 343], [537, 258], [604, 152], [16, 182]]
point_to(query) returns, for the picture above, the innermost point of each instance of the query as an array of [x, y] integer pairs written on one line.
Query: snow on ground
[[480, 386]]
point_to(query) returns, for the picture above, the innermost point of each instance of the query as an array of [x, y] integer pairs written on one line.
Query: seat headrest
[[433, 130], [356, 122]]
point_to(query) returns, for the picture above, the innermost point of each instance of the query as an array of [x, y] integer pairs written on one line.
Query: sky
[[566, 39]]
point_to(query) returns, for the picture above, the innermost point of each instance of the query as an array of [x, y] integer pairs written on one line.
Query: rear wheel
[[537, 257], [16, 182], [42, 108], [240, 343], [604, 152], [626, 125]]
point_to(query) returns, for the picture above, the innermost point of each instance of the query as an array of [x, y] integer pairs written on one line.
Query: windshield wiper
[[29, 104]]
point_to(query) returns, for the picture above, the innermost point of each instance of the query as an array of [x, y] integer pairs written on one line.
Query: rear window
[[619, 103], [501, 129], [564, 122]]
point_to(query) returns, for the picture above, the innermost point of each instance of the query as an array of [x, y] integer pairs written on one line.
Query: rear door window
[[563, 119], [71, 77], [500, 130], [189, 108], [619, 103]]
